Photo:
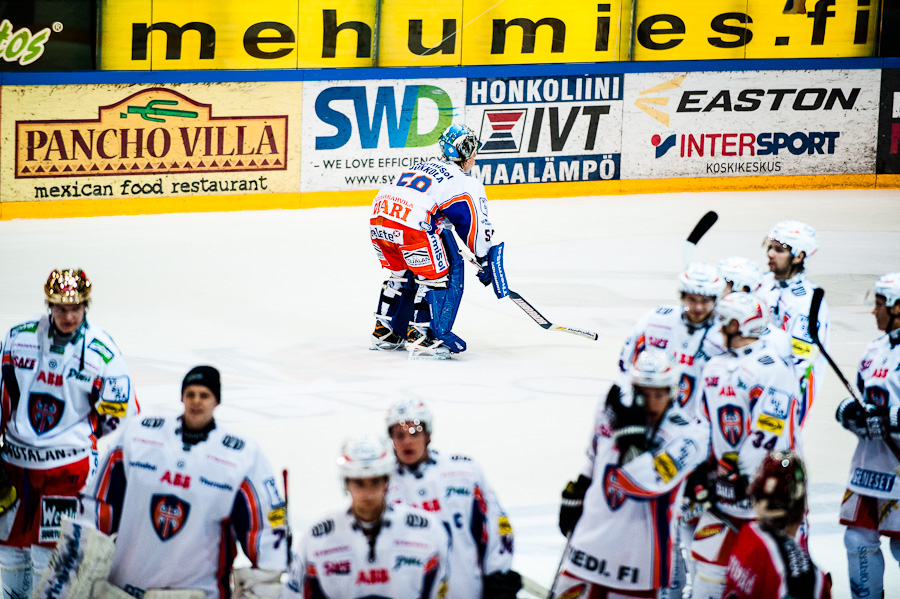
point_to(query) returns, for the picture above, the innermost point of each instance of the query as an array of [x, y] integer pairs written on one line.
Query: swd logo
[[345, 106], [23, 46]]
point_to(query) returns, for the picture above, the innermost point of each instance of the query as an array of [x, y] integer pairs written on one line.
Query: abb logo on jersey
[[727, 391], [374, 576], [880, 373], [178, 480], [430, 506], [50, 378]]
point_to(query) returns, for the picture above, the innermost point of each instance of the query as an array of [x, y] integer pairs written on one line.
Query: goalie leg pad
[[394, 311], [15, 571], [82, 557], [444, 302]]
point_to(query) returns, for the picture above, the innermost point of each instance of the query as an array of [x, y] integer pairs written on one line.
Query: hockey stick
[[813, 327], [526, 307], [559, 568], [533, 588], [700, 229], [287, 525]]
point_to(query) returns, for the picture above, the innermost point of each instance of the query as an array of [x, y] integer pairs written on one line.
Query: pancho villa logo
[[151, 132]]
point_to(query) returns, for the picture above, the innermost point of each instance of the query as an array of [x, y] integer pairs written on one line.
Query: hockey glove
[[731, 485], [852, 417], [629, 424], [502, 585], [700, 486], [881, 421], [8, 494], [572, 504], [252, 583]]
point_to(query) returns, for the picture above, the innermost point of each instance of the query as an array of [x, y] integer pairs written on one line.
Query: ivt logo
[[343, 106]]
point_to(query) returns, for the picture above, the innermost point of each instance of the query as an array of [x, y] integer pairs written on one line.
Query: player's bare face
[[656, 401], [410, 444], [367, 497], [67, 317], [199, 404], [883, 314], [781, 262], [697, 308], [468, 164]]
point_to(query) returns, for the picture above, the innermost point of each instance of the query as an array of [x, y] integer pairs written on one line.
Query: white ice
[[281, 302]]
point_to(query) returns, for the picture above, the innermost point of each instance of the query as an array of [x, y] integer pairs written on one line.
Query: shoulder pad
[[101, 349], [678, 419], [25, 327], [416, 521], [152, 422], [232, 442], [766, 360], [323, 528], [664, 310], [460, 458]]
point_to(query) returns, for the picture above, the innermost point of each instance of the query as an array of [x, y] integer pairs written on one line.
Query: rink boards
[[103, 143]]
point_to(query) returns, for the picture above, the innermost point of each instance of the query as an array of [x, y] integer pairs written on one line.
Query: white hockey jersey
[[689, 346], [625, 536], [455, 490], [408, 559], [179, 509], [873, 467], [789, 304], [749, 400], [58, 399], [430, 191]]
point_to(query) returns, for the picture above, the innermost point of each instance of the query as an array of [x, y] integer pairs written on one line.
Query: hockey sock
[[865, 561]]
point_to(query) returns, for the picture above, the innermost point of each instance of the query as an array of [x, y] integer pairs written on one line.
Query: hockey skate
[[421, 345], [384, 339]]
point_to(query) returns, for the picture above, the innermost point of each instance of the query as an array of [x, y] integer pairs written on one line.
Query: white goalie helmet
[[889, 287], [654, 368], [412, 414], [751, 313], [366, 456], [800, 237], [742, 272], [701, 278]]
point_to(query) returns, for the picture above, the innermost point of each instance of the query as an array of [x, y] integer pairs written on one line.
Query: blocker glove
[[8, 494], [492, 271], [572, 504], [502, 585], [629, 424], [731, 485]]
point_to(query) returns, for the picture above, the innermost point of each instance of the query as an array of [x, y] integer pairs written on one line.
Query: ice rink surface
[[281, 302]]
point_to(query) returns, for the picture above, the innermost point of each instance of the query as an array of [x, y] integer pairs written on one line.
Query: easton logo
[[151, 132], [502, 131], [168, 515]]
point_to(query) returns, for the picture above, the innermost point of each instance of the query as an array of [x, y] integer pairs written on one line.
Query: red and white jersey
[[58, 399], [454, 489], [428, 192], [761, 565], [625, 536], [873, 467], [789, 304], [749, 400], [335, 560], [690, 347], [179, 509]]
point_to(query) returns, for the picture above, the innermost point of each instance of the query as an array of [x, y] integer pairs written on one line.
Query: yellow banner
[[285, 34], [754, 29]]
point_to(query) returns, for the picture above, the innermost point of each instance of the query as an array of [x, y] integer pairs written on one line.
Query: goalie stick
[[703, 225], [287, 524], [816, 302], [526, 307]]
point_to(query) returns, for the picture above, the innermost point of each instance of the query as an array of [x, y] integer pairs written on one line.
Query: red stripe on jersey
[[104, 510], [255, 529], [632, 488], [473, 221]]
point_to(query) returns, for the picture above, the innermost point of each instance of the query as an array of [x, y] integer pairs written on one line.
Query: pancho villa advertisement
[[141, 142]]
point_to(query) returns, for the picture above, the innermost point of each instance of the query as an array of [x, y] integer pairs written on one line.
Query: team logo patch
[[685, 389], [44, 412], [502, 131], [708, 531], [612, 489], [168, 515], [731, 423]]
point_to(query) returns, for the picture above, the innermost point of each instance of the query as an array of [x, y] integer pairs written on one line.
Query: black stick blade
[[703, 225], [816, 302]]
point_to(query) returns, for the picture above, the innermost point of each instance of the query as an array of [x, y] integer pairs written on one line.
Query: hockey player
[[620, 512], [65, 383], [412, 227], [742, 274], [788, 293], [455, 489], [374, 548], [767, 562], [688, 332], [749, 402], [179, 492], [869, 508]]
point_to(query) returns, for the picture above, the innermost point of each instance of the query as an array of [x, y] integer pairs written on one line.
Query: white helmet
[[742, 272], [413, 414], [889, 287], [800, 237], [654, 368], [366, 456], [751, 313], [701, 278]]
